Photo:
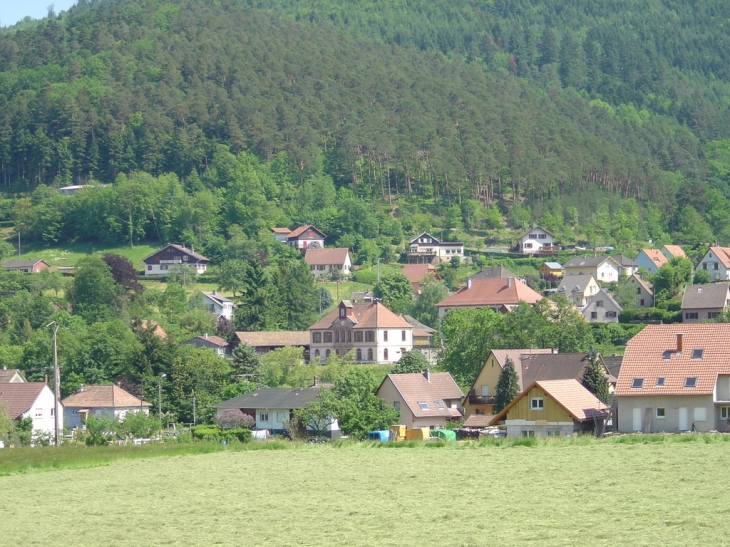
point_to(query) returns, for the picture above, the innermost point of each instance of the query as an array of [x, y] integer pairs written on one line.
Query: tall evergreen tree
[[508, 387], [595, 380]]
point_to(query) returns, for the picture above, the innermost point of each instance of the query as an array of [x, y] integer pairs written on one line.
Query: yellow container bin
[[420, 434], [397, 433]]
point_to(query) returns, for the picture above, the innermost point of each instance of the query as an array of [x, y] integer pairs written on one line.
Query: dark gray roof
[[416, 324], [571, 282], [493, 272], [711, 295], [553, 366], [185, 250], [272, 398], [624, 261], [587, 261], [215, 297], [613, 363]]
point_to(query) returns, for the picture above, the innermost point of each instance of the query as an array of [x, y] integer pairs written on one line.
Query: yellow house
[[480, 398], [550, 268], [555, 408]]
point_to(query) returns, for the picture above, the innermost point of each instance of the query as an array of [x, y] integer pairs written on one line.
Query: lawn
[[69, 254], [554, 493]]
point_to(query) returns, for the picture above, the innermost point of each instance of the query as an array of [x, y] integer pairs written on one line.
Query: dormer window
[[690, 382], [342, 312], [423, 405], [660, 382], [667, 354], [638, 383], [697, 353]]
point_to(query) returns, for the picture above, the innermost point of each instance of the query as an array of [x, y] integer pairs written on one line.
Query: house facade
[[534, 240], [650, 260], [100, 400], [671, 251], [425, 248], [675, 378], [11, 376], [25, 266], [553, 269], [626, 265], [716, 263], [603, 268], [602, 309], [280, 234], [33, 400], [552, 408], [325, 262], [427, 399], [218, 306], [704, 302], [644, 291], [216, 344], [305, 237], [370, 330], [497, 294], [160, 262], [423, 339], [579, 289]]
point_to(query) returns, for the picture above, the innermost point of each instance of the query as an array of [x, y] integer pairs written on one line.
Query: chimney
[[206, 335], [680, 342], [427, 375], [45, 379], [555, 351], [509, 282], [468, 283], [81, 388]]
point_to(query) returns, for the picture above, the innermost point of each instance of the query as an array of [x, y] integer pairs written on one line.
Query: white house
[[424, 248], [602, 268], [305, 237], [218, 306], [650, 259], [602, 309], [325, 262], [578, 289], [535, 239], [34, 400], [160, 262], [716, 262], [370, 330], [109, 400]]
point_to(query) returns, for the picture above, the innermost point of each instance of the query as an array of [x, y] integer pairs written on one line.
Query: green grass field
[[582, 493], [69, 254]]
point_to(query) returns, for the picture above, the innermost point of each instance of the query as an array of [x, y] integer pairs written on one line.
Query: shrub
[[205, 433], [139, 425], [233, 418], [365, 276]]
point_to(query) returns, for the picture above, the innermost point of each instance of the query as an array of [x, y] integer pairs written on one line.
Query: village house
[[214, 343], [675, 378], [160, 262], [264, 342], [218, 306], [427, 399], [370, 330], [280, 234], [423, 339], [644, 291], [497, 294], [650, 260], [553, 408], [603, 268], [703, 302], [25, 266], [626, 265], [325, 262], [602, 308], [100, 400], [494, 272], [578, 289], [425, 248], [671, 251], [419, 274], [716, 262], [272, 408], [535, 240], [33, 400], [550, 269], [305, 237], [11, 376]]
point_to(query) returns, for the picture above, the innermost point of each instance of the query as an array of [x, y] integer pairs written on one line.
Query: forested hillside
[[551, 111]]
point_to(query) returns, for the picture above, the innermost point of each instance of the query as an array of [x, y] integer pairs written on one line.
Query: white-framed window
[[39, 413], [700, 414], [724, 412], [385, 336], [528, 433], [660, 382], [660, 413], [402, 336], [280, 417], [537, 403], [263, 416], [638, 383], [439, 405], [690, 381], [423, 405]]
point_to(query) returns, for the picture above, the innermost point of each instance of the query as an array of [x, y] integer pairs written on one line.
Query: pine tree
[[508, 387], [595, 380]]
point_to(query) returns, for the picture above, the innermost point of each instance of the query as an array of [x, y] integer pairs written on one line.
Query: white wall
[[41, 412]]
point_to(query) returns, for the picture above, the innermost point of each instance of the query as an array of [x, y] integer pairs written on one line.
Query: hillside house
[[218, 306], [497, 294], [33, 400], [716, 262], [578, 289], [25, 266], [550, 269], [602, 308], [603, 268], [370, 330], [280, 234], [424, 248], [535, 240], [427, 399], [418, 274], [325, 262], [650, 260], [703, 302], [671, 251], [626, 265], [675, 378], [305, 237], [97, 400], [216, 344], [11, 376], [160, 262]]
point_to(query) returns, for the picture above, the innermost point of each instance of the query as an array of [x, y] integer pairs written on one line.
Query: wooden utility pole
[[56, 385]]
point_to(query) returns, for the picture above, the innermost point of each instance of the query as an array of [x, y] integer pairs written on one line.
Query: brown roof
[[710, 295], [478, 421], [652, 354], [675, 250], [324, 257], [365, 315], [415, 388], [110, 396], [417, 325], [493, 272], [159, 332], [19, 397], [281, 230], [491, 292], [417, 272], [296, 232], [516, 356], [212, 340], [279, 338], [189, 252], [577, 401], [553, 366], [7, 374], [11, 264], [648, 287], [656, 256]]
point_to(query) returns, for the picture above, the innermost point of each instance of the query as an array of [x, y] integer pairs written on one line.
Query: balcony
[[475, 399]]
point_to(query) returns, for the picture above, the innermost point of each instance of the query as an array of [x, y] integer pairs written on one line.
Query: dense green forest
[[552, 112]]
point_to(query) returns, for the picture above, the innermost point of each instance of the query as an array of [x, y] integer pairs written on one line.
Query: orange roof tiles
[[416, 272], [675, 250], [722, 253], [326, 257], [491, 292], [365, 315], [296, 232], [417, 388], [110, 396], [656, 257], [652, 354], [277, 338]]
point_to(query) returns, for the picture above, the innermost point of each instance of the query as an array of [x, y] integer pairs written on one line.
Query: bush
[[650, 314], [365, 276], [205, 433], [139, 425], [233, 418]]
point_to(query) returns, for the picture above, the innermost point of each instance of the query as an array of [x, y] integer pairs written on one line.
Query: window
[[660, 382], [610, 314], [700, 414], [53, 412], [342, 312], [697, 353], [660, 413], [149, 267], [163, 267], [638, 290], [715, 266], [370, 354], [594, 315], [690, 382], [385, 336], [280, 417], [369, 336], [423, 405], [704, 265], [263, 416], [724, 412], [385, 354], [536, 403], [349, 336], [337, 336], [439, 405], [528, 433], [327, 337], [712, 314], [316, 353], [317, 337], [528, 246], [599, 303], [358, 355], [327, 354], [39, 413], [637, 383], [553, 433], [402, 336], [542, 236], [667, 354], [358, 336], [320, 267], [642, 302], [691, 315], [396, 406]]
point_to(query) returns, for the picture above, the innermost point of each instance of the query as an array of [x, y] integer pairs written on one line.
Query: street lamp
[[56, 384], [159, 395]]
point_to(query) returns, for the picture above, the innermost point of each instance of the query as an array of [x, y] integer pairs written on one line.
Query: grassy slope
[[69, 254], [585, 493]]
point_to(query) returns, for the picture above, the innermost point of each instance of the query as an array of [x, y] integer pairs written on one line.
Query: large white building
[[373, 333], [426, 249]]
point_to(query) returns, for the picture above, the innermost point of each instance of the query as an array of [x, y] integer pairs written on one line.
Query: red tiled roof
[[675, 250], [491, 292], [296, 232], [110, 396], [416, 272], [7, 374], [269, 339], [366, 315], [281, 230], [214, 340], [478, 421], [324, 257], [415, 388], [652, 354], [722, 253], [656, 256], [19, 397]]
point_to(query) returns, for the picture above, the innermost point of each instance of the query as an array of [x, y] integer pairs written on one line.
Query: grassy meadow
[[554, 492]]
